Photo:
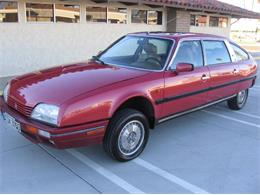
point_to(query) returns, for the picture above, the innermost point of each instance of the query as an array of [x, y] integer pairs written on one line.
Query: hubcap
[[241, 97], [131, 137]]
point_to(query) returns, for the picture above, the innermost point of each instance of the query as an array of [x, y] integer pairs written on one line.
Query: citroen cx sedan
[[140, 81]]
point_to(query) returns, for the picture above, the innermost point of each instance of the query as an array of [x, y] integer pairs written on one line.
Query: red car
[[141, 80]]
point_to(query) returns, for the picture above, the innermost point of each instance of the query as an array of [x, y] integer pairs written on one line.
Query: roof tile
[[208, 6]]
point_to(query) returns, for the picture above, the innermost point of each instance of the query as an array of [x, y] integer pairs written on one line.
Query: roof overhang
[[211, 6]]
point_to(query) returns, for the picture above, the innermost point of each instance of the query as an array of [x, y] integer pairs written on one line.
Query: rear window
[[241, 55], [216, 52]]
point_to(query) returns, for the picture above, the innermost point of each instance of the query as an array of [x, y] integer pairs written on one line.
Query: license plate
[[12, 122]]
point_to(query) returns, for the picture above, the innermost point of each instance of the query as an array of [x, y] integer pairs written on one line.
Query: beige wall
[[26, 47], [30, 47], [225, 32]]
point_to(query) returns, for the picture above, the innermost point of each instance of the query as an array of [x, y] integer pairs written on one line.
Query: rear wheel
[[127, 135], [239, 101]]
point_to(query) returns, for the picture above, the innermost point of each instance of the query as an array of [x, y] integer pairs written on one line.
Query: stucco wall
[[26, 47], [225, 32], [31, 47]]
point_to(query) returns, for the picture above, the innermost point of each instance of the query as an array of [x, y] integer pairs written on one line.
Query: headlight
[[46, 113], [6, 92]]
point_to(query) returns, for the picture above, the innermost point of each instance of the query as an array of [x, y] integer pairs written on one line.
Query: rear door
[[186, 90], [223, 73], [246, 66]]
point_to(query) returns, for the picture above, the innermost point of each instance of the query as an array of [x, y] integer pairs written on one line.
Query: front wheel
[[239, 101], [127, 135]]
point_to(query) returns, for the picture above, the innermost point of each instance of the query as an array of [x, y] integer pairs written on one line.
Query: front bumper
[[60, 137]]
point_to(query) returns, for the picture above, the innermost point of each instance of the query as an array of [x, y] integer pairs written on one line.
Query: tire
[[239, 101], [119, 130]]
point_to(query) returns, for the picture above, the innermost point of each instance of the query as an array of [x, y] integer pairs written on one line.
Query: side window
[[241, 55], [216, 52], [189, 52]]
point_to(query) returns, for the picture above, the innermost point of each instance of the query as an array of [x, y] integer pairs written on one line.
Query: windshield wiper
[[98, 60]]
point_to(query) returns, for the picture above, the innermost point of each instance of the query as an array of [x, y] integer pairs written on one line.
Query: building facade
[[36, 34]]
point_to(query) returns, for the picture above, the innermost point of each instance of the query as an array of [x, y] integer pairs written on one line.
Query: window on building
[[189, 52], [146, 17], [213, 21], [139, 16], [241, 55], [36, 12], [218, 21], [223, 22], [216, 52], [67, 13], [198, 20], [96, 14], [154, 17], [8, 11], [117, 15]]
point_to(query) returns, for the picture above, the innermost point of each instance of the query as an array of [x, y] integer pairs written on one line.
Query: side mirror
[[184, 67]]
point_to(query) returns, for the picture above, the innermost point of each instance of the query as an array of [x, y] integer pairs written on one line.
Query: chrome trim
[[76, 132], [236, 71], [231, 51], [195, 109], [205, 77]]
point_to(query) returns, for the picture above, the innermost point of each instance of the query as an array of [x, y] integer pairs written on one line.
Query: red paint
[[182, 67], [88, 94]]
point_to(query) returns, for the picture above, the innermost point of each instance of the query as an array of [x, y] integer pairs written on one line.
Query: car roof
[[176, 35]]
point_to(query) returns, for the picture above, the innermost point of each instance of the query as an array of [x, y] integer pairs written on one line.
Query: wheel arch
[[142, 104]]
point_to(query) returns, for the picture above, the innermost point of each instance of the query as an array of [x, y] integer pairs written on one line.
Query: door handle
[[235, 71], [205, 77]]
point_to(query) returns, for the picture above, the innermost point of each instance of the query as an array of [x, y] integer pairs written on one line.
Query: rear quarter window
[[240, 54], [216, 52]]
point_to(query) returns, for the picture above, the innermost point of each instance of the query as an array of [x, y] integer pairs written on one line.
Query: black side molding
[[168, 99]]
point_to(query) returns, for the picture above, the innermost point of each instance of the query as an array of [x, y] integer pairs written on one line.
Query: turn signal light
[[31, 130]]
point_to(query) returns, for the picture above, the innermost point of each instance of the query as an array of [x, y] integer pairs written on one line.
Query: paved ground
[[211, 151]]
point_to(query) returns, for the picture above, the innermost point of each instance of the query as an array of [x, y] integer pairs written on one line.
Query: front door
[[186, 90]]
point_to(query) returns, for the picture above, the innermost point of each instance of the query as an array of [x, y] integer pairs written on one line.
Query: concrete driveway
[[215, 150]]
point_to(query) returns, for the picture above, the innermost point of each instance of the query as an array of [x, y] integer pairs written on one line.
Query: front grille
[[25, 110]]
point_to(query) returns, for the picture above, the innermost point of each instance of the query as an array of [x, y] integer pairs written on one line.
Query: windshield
[[139, 52]]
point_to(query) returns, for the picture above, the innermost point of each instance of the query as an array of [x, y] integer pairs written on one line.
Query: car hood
[[59, 84]]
